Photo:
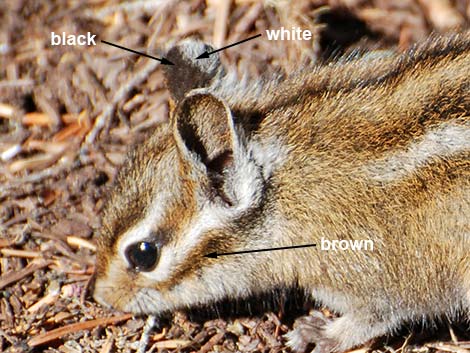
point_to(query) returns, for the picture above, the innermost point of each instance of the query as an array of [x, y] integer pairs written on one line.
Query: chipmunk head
[[189, 190]]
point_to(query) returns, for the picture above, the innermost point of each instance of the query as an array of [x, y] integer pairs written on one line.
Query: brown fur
[[360, 149]]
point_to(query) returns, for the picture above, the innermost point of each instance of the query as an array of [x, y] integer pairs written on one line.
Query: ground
[[68, 115]]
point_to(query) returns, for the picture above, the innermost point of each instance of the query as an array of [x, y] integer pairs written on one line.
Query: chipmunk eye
[[142, 256]]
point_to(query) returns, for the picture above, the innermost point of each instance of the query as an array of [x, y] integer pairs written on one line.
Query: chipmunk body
[[375, 149]]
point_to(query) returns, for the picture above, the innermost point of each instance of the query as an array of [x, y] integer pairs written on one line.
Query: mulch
[[69, 114]]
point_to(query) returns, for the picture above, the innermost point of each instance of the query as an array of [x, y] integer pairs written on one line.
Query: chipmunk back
[[363, 149]]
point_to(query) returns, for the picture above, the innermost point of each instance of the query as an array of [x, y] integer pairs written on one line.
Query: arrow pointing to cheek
[[215, 254]]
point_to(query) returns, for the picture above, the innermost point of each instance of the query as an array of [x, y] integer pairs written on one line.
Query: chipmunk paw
[[311, 330]]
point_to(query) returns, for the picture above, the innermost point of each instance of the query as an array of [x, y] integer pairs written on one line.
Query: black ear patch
[[189, 73]]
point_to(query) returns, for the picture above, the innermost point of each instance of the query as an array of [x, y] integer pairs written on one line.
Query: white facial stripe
[[442, 142], [142, 229]]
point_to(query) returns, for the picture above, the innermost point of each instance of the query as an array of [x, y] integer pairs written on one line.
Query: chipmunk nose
[[98, 291], [97, 288], [91, 286]]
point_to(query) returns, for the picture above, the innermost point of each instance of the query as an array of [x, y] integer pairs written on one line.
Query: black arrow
[[206, 54], [164, 61], [214, 255]]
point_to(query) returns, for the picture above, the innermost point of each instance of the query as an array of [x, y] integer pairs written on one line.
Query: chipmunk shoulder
[[375, 149]]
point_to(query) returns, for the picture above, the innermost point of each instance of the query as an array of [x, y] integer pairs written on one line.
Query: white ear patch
[[271, 154], [253, 166], [441, 142]]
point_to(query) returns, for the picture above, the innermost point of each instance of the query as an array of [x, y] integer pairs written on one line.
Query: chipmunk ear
[[188, 73], [204, 130]]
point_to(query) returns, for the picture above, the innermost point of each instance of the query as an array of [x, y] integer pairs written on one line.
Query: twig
[[5, 242], [10, 152], [50, 298], [220, 25], [12, 277], [447, 347], [80, 242], [16, 83], [20, 253], [78, 326], [128, 6], [453, 336], [247, 20]]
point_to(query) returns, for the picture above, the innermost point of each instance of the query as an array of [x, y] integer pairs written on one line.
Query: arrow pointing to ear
[[215, 255], [206, 54], [164, 61]]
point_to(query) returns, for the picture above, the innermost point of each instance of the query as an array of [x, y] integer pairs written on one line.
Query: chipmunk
[[375, 149]]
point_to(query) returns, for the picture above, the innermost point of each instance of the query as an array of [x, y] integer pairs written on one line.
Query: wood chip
[[49, 147], [221, 22], [69, 118], [10, 152], [49, 299], [6, 110], [212, 342], [59, 317], [36, 118], [70, 130], [170, 344], [53, 99], [442, 14], [38, 161]]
